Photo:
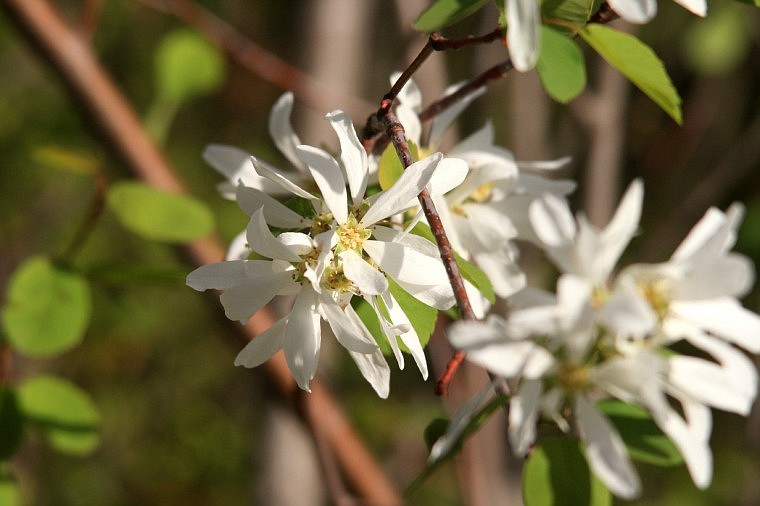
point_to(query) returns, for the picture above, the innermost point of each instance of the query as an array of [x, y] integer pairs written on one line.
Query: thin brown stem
[[89, 220], [395, 132], [117, 123]]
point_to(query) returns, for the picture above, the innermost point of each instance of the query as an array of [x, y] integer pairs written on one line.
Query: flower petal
[[523, 414], [329, 178], [278, 178], [606, 451], [263, 346], [261, 240], [242, 301], [302, 339], [724, 317], [352, 155], [282, 132], [375, 370], [523, 33], [635, 11], [369, 280], [350, 333], [409, 337], [275, 212], [396, 198], [217, 276]]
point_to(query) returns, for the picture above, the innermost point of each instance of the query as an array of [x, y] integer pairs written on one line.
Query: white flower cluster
[[608, 335], [316, 234]]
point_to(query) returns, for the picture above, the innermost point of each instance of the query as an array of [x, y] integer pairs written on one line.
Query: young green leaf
[[61, 158], [638, 63], [64, 412], [187, 66], [560, 66], [641, 435], [443, 13], [556, 473], [158, 215], [12, 423], [389, 168], [575, 12], [421, 316], [47, 310]]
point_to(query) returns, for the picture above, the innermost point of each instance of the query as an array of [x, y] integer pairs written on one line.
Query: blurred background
[[179, 423]]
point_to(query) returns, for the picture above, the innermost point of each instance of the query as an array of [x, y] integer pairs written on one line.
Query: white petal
[[217, 276], [606, 451], [523, 414], [552, 221], [302, 339], [698, 7], [396, 198], [411, 121], [635, 11], [263, 346], [545, 165], [242, 301], [352, 154], [375, 370], [410, 95], [724, 317], [369, 280], [329, 178], [351, 334], [709, 384], [275, 212], [712, 236], [621, 229], [448, 175], [626, 312], [523, 33], [261, 240], [235, 165], [410, 337], [278, 178], [297, 242], [731, 275], [282, 132]]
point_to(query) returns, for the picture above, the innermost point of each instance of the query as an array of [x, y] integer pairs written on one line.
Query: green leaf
[[187, 66], [560, 66], [556, 474], [756, 3], [66, 414], [11, 423], [446, 12], [389, 168], [638, 63], [643, 438], [48, 308], [575, 12], [468, 270], [421, 316], [369, 318], [157, 215]]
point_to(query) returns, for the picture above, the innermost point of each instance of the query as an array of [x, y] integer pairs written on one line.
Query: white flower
[[642, 11], [486, 211]]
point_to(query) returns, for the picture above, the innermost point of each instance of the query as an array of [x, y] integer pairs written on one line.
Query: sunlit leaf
[[158, 215], [560, 66], [48, 308], [64, 412], [443, 13], [638, 63], [10, 494], [641, 435], [11, 423], [575, 12], [421, 316], [389, 168], [556, 474], [187, 66]]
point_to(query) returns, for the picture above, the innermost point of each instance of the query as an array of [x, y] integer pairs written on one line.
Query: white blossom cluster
[[316, 234]]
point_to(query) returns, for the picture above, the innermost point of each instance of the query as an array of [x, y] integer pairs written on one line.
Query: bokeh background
[[180, 424]]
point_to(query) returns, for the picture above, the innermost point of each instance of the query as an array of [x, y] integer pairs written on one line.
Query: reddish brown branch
[[77, 66], [395, 132], [258, 60]]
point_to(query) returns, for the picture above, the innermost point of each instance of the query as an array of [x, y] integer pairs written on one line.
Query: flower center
[[482, 193], [573, 377], [658, 292], [351, 235]]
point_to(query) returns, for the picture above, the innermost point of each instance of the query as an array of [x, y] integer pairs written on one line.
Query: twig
[[91, 86], [395, 132], [258, 60]]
